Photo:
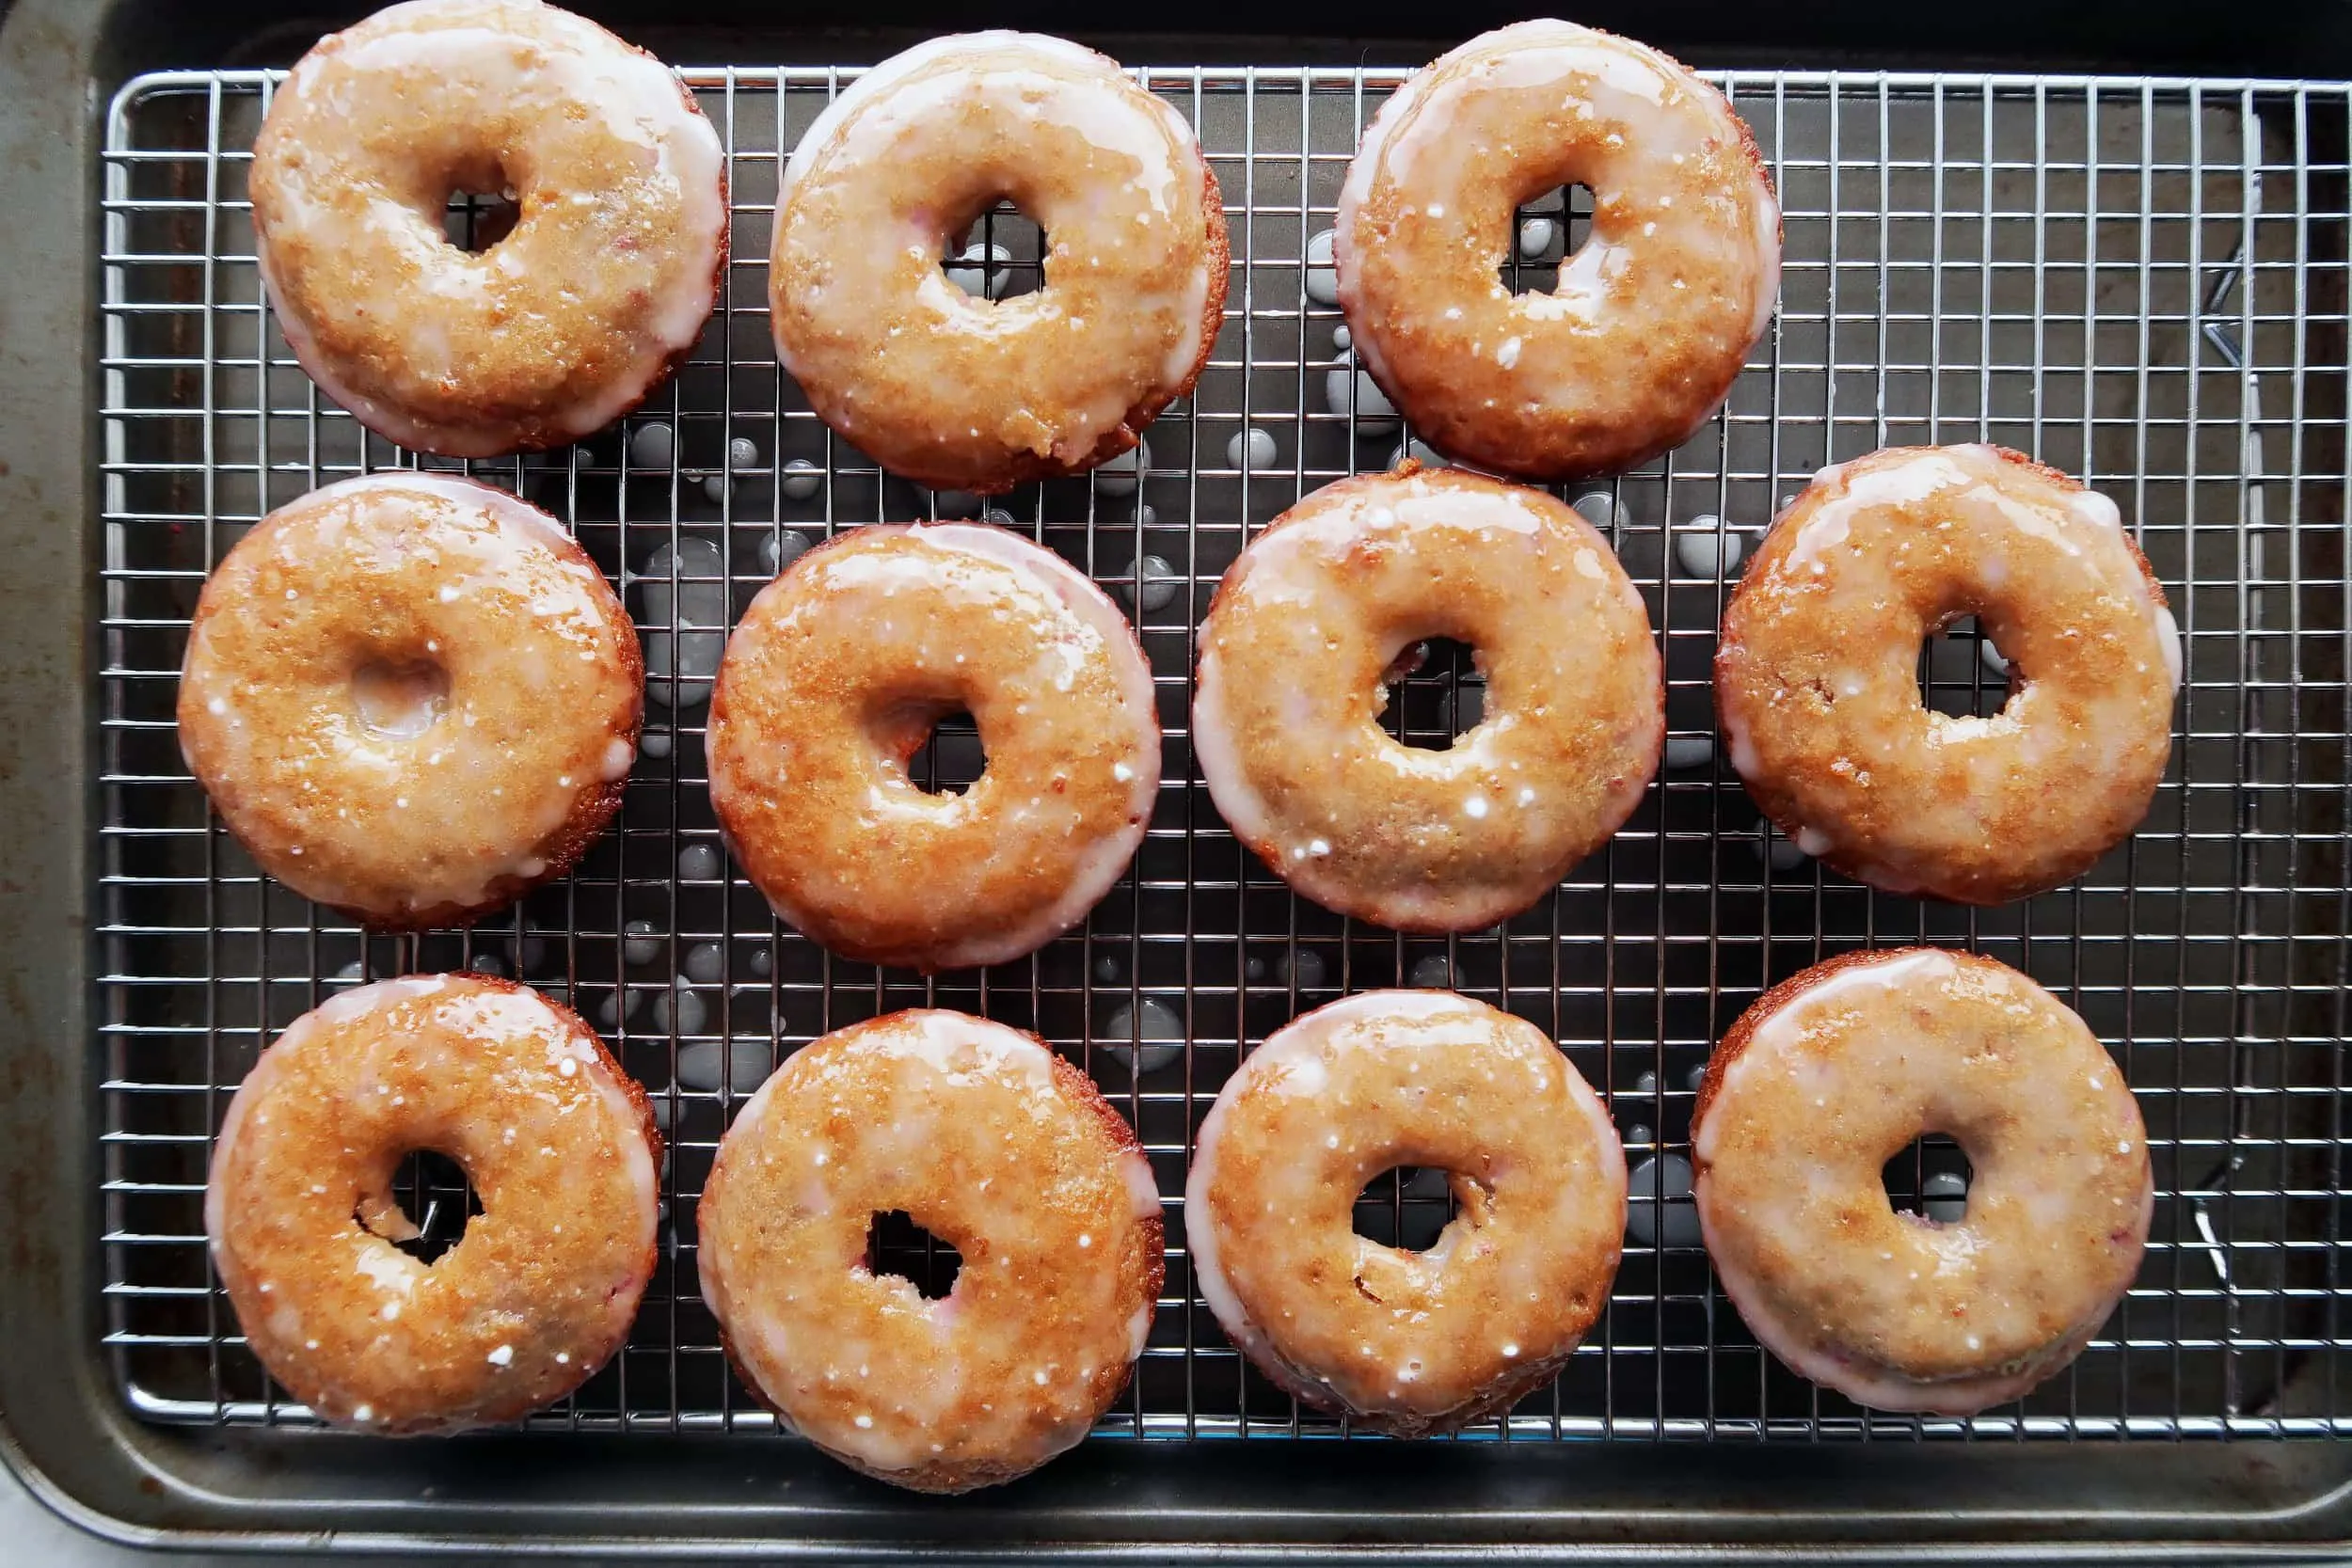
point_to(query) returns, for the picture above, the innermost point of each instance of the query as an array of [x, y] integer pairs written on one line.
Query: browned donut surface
[[412, 697], [835, 675], [539, 1292], [996, 1146], [1293, 660], [1831, 1074], [562, 324], [1406, 1342], [1652, 316], [979, 394], [1816, 690]]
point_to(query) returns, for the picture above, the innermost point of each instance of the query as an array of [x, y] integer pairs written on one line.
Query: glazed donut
[[1827, 1077], [839, 670], [1001, 1148], [562, 327], [1816, 690], [1292, 661], [539, 1292], [1405, 1342], [412, 697], [1653, 315], [983, 395]]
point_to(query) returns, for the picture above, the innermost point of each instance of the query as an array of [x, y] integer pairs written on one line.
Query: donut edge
[[489, 1414], [1110, 1382], [536, 436], [922, 960], [1508, 461], [1774, 801], [1375, 911], [1259, 1349], [1953, 1397]]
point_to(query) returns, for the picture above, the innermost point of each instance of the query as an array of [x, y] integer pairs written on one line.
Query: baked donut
[[1827, 1077], [412, 697], [975, 394], [558, 1142], [1001, 1148], [1653, 315], [1816, 690], [1406, 1342], [1293, 657], [838, 672], [562, 326]]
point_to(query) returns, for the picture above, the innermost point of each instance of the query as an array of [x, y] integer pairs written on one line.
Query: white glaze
[[1288, 694], [1637, 279], [530, 641], [1061, 632], [950, 1118], [459, 1064], [1893, 1311], [1360, 1086], [872, 177], [537, 67]]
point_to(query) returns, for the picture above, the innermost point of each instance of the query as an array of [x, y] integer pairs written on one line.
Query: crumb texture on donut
[[1406, 1342], [538, 1292], [564, 323], [1293, 659], [1832, 1074], [977, 394], [992, 1143], [412, 697], [833, 679], [1653, 315], [1816, 690]]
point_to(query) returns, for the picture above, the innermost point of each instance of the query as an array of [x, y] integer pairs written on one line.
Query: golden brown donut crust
[[529, 755], [566, 323], [1289, 691], [558, 1143], [1817, 692], [1406, 1342], [977, 395], [834, 678], [1653, 316], [986, 1137], [1831, 1073]]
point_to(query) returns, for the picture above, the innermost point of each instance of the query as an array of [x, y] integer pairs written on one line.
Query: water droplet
[[652, 447], [1657, 1203], [1142, 1037], [1374, 414], [1253, 448], [1322, 281], [1120, 475], [801, 479], [640, 941]]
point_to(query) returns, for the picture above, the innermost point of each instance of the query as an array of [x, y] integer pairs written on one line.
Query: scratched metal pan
[[2113, 235]]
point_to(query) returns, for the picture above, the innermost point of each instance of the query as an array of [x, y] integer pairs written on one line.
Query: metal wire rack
[[2139, 282]]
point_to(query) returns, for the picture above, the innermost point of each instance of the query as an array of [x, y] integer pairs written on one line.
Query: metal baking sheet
[[2138, 280]]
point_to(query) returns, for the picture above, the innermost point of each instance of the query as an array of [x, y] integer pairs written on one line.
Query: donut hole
[[951, 758], [480, 211], [1962, 673], [400, 699], [895, 1244], [1545, 231], [1001, 255], [1927, 1179], [432, 1203], [1407, 1206], [1433, 693]]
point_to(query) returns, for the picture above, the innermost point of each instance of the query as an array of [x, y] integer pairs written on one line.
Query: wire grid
[[2139, 281]]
